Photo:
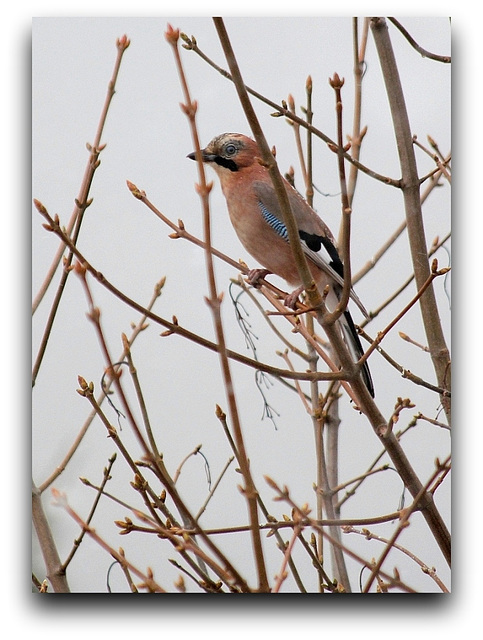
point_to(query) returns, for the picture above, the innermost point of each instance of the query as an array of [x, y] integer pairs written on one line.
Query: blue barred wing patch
[[317, 247], [276, 224]]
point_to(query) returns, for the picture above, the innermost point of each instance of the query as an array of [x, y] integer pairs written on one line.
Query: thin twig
[[359, 53], [303, 518], [276, 525], [140, 396], [148, 579], [141, 325], [309, 184], [202, 509], [87, 390], [406, 338], [375, 312], [416, 46], [381, 334], [222, 418], [82, 202], [368, 535], [436, 423], [177, 473], [249, 291], [100, 491], [272, 168], [283, 111], [395, 235], [214, 301], [337, 83], [405, 373], [403, 522], [173, 327], [357, 479], [301, 394], [282, 574], [298, 143]]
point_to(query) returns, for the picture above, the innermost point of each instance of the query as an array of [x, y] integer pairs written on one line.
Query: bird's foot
[[255, 275], [292, 298]]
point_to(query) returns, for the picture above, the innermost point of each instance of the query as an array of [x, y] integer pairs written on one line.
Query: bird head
[[229, 152]]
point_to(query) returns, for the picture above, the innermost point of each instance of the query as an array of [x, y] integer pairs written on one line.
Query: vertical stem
[[357, 135], [332, 427], [309, 116], [318, 423], [214, 301], [52, 561], [412, 202], [324, 488]]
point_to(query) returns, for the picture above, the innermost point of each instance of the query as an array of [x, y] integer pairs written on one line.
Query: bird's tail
[[354, 345]]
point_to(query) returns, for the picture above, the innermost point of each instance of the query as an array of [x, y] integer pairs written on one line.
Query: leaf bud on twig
[[137, 193], [123, 42], [171, 35]]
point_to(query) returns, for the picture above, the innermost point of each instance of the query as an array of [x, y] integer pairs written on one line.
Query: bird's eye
[[230, 149]]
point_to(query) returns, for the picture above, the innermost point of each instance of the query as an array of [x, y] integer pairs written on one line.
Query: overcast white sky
[[147, 141]]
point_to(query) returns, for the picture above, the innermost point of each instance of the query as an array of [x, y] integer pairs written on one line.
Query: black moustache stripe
[[225, 162]]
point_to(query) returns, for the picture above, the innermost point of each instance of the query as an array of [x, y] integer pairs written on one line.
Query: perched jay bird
[[255, 214]]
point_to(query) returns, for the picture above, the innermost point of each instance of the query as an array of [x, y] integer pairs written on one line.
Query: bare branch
[[410, 189], [416, 46]]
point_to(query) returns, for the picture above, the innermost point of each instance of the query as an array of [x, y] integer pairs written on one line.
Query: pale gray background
[[148, 138], [147, 141]]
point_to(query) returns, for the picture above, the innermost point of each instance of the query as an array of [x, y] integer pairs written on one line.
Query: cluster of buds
[[86, 388]]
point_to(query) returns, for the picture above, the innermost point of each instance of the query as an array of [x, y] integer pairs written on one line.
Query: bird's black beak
[[205, 157]]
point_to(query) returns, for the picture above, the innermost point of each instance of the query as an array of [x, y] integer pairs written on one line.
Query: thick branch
[[271, 164], [412, 202], [47, 544]]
